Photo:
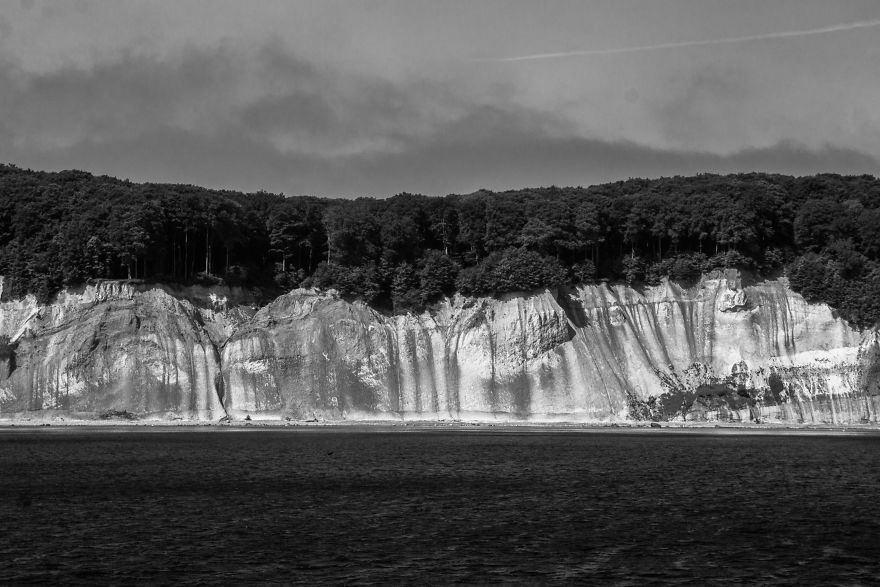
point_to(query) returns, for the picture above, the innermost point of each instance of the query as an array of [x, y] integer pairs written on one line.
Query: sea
[[380, 506]]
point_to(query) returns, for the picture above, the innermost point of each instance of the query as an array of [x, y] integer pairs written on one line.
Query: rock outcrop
[[715, 352], [107, 351]]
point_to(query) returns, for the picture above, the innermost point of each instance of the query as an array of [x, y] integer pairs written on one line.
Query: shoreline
[[444, 426]]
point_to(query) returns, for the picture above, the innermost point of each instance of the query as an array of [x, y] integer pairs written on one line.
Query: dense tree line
[[406, 251]]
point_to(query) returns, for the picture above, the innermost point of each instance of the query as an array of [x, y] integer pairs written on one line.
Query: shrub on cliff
[[685, 268], [821, 279], [414, 288], [816, 278], [512, 270], [773, 259], [632, 270], [732, 259], [524, 270], [658, 271], [283, 279], [583, 272], [405, 292], [688, 267], [472, 281], [350, 282], [437, 274]]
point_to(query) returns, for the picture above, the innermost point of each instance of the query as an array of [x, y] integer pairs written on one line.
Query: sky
[[373, 98]]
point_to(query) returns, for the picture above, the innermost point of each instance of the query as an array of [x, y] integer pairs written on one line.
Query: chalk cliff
[[717, 351], [109, 351]]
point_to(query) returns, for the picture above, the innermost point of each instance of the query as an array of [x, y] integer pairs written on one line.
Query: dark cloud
[[266, 120], [265, 94], [113, 100], [706, 105], [297, 111]]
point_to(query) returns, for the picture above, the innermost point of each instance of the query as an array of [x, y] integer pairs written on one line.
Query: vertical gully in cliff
[[493, 390], [198, 323], [435, 393], [522, 388], [577, 322], [453, 376]]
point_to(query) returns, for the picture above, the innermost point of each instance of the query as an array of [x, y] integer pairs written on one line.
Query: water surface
[[375, 507]]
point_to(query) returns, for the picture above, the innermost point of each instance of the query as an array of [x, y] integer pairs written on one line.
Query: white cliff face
[[717, 351], [730, 353], [109, 349]]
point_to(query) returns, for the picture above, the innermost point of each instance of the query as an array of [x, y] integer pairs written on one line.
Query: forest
[[405, 252]]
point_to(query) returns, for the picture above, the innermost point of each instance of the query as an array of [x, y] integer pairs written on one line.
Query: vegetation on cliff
[[403, 252]]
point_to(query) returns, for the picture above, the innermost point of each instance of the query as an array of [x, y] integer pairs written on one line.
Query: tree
[[405, 294], [815, 223], [62, 229], [437, 275], [538, 235]]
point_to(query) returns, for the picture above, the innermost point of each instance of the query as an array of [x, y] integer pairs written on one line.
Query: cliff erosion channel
[[717, 351]]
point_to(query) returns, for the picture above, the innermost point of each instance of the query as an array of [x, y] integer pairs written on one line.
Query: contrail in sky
[[725, 41]]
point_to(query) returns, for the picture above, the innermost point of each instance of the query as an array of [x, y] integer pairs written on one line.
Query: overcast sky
[[375, 98]]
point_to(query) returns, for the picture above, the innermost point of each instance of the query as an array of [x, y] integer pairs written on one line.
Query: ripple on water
[[374, 508]]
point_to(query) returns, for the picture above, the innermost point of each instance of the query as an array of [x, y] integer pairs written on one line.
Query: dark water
[[231, 507]]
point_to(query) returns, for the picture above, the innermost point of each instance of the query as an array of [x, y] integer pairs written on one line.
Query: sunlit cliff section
[[108, 351], [716, 351]]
